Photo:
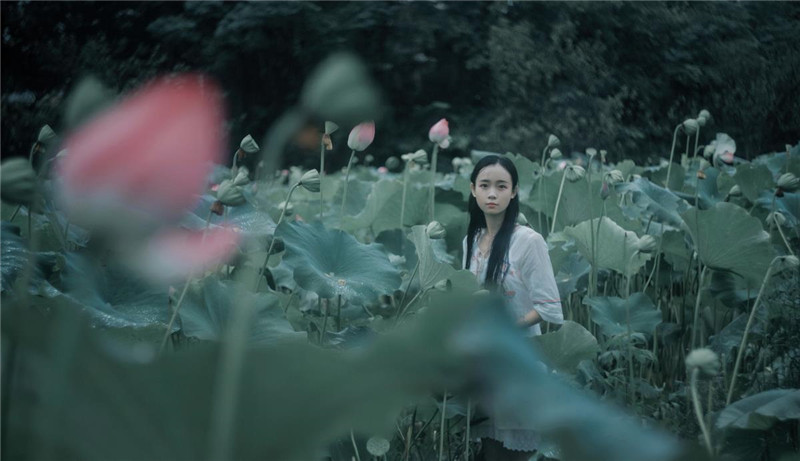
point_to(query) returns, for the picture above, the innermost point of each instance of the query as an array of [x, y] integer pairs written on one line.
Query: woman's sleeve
[[539, 279]]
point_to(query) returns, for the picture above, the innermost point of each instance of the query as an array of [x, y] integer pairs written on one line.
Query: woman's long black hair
[[495, 271]]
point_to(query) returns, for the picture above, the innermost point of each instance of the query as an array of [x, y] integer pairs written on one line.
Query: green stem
[[432, 192], [355, 447], [324, 323], [697, 301], [696, 139], [541, 187], [272, 242], [346, 179], [698, 412], [321, 174], [671, 153], [740, 353], [441, 426], [466, 437], [174, 316], [785, 242], [405, 293], [558, 200], [403, 202]]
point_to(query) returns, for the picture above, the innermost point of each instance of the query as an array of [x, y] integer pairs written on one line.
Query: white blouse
[[529, 282]]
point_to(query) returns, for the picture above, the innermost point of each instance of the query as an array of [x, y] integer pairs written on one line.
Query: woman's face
[[493, 190]]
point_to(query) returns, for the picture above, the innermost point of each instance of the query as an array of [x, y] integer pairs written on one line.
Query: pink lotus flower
[[144, 162], [176, 253], [361, 136], [383, 170], [440, 133]]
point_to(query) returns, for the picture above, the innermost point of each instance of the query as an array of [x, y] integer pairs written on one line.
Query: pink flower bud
[[383, 170], [439, 132], [361, 136], [144, 162]]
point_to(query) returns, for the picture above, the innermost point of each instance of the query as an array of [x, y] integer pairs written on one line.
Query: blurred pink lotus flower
[[361, 136], [440, 133], [383, 170], [174, 254], [144, 162]]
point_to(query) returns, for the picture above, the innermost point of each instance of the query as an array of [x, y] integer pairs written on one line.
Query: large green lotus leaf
[[650, 200], [611, 314], [85, 403], [761, 411], [455, 221], [729, 239], [675, 250], [357, 193], [332, 262], [753, 179], [730, 337], [574, 269], [575, 206], [658, 175], [615, 247], [628, 168], [384, 203], [206, 312], [564, 349], [431, 267]]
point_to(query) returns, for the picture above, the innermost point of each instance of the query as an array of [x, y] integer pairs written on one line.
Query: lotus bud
[[286, 207], [553, 141], [603, 154], [788, 182], [788, 262], [382, 170], [435, 230], [242, 176], [575, 173], [330, 128], [19, 181], [591, 152], [690, 126], [704, 360], [377, 446], [555, 153], [605, 191], [614, 177], [776, 219], [310, 181], [392, 163], [443, 285], [522, 220], [439, 132], [703, 117], [249, 145], [230, 194], [46, 134], [419, 156], [217, 208], [646, 244], [708, 150], [361, 136], [368, 159]]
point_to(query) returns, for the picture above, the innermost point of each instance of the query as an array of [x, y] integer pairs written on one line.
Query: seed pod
[[46, 134], [776, 219], [19, 181], [330, 128], [310, 181], [392, 163], [603, 154], [788, 182], [646, 244], [230, 194], [591, 152], [701, 174], [286, 207], [788, 262], [690, 126], [705, 360], [377, 446], [555, 153], [614, 177], [419, 156], [249, 145], [574, 173], [435, 230], [553, 141], [242, 176], [703, 117]]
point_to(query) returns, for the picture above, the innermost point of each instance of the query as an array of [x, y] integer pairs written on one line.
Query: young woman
[[512, 260]]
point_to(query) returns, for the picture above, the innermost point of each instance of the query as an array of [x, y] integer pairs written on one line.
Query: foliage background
[[616, 75]]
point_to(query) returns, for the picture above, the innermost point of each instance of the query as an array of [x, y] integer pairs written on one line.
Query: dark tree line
[[615, 76]]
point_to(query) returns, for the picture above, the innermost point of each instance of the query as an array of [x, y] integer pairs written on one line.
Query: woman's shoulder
[[526, 235]]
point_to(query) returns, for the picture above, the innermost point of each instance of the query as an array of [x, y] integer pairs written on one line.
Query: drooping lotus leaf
[[753, 179], [206, 313], [727, 238], [615, 247], [675, 249], [761, 411], [564, 349], [383, 208], [612, 314], [431, 268], [574, 269], [730, 337], [654, 201], [658, 175], [331, 262]]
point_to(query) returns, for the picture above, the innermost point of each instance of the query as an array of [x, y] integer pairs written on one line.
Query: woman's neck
[[493, 224]]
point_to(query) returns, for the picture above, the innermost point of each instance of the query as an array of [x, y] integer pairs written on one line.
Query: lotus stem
[[321, 174], [339, 313], [466, 437], [405, 293], [592, 272], [403, 202], [785, 242], [696, 139], [272, 242], [355, 447], [671, 152], [541, 184], [698, 411], [441, 426], [558, 200], [697, 301], [346, 180], [174, 316], [432, 192], [740, 353]]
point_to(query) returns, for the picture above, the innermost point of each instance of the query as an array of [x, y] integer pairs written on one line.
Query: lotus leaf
[[564, 349], [206, 312], [753, 179], [658, 175], [431, 268], [654, 201], [575, 206], [611, 314], [527, 170], [615, 247], [730, 337], [729, 239], [761, 411], [332, 262], [383, 208]]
